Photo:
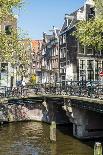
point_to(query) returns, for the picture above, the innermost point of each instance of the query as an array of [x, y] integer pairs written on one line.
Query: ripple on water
[[32, 138]]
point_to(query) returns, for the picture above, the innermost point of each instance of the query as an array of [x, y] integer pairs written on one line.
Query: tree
[[11, 47], [6, 7], [90, 33], [99, 7], [9, 37]]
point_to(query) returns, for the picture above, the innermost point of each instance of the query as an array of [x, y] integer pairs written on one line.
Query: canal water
[[32, 138]]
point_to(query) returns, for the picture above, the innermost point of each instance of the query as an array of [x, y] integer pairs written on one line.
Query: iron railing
[[93, 89]]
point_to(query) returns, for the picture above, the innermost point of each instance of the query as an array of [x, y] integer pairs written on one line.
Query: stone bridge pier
[[86, 123]]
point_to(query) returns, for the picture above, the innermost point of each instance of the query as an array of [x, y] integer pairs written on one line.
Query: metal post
[[45, 87], [80, 89], [71, 88], [55, 88], [66, 87], [97, 149], [53, 131], [50, 88], [60, 88], [91, 89]]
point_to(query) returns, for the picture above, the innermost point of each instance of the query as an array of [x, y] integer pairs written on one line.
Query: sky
[[38, 16]]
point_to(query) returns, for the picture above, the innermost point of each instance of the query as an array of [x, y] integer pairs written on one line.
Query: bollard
[[97, 149], [10, 117], [53, 131]]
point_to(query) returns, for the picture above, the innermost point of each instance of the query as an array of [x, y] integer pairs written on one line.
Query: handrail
[[93, 89]]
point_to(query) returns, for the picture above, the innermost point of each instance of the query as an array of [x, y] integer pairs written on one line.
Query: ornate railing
[[75, 88], [93, 89]]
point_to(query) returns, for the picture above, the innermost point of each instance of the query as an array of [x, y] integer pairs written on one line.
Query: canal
[[32, 138]]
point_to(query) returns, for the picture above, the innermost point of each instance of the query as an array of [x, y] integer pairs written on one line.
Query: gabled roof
[[74, 21]]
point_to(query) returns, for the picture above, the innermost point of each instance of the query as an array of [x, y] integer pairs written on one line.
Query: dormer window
[[92, 13], [8, 29], [92, 10]]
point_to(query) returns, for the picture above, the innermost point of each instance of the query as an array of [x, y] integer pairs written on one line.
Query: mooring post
[[97, 149], [53, 131], [10, 117]]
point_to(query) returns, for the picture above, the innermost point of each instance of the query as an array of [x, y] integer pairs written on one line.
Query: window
[[34, 54], [89, 50], [82, 64], [98, 68], [57, 49], [64, 52], [92, 13], [64, 38], [81, 49], [62, 64], [8, 29], [90, 69], [60, 40], [90, 75], [90, 64], [53, 52], [62, 71], [63, 78], [4, 67], [61, 53]]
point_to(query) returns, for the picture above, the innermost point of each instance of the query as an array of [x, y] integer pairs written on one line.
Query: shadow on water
[[32, 138], [67, 129]]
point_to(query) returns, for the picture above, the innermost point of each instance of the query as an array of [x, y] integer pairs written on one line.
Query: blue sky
[[38, 16]]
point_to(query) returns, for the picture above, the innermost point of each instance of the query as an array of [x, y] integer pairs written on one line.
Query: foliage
[[11, 42], [90, 33], [8, 40], [10, 3], [6, 7], [99, 7], [12, 48]]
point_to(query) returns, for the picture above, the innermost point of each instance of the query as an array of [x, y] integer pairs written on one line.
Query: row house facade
[[7, 71], [36, 59], [11, 73], [24, 65], [61, 56], [78, 62], [50, 57]]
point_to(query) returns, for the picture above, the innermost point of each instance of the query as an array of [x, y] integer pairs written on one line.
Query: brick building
[[36, 59], [50, 57], [78, 62], [8, 72]]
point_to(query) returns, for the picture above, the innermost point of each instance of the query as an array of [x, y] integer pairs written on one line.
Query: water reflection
[[32, 138]]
